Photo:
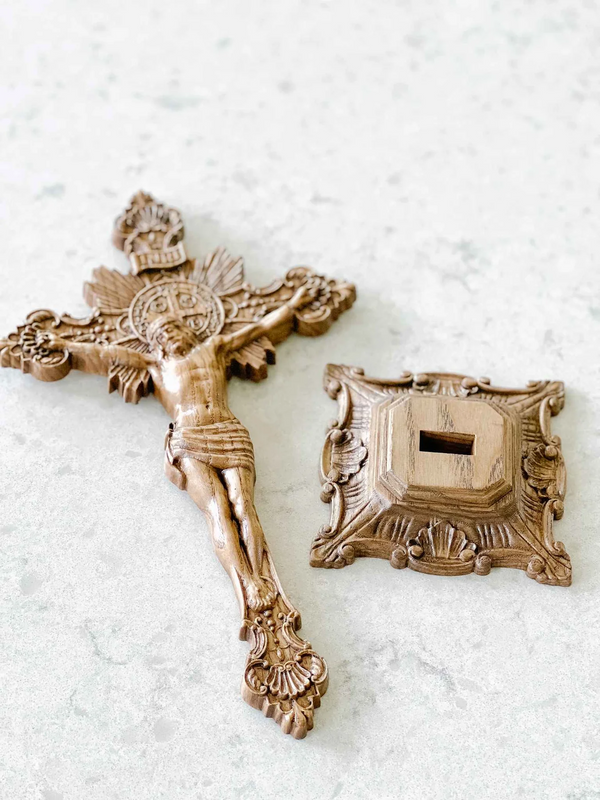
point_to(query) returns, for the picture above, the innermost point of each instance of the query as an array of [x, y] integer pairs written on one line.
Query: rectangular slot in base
[[460, 444]]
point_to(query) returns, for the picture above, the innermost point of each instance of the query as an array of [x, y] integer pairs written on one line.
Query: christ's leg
[[207, 491], [240, 490]]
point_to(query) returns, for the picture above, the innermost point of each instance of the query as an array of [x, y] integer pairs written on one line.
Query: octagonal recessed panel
[[442, 446]]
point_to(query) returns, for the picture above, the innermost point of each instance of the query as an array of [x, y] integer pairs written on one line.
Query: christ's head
[[171, 337]]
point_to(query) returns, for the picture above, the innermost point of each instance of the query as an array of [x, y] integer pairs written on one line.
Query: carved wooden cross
[[180, 328]]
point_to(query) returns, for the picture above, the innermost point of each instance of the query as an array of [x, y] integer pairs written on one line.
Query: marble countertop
[[444, 157]]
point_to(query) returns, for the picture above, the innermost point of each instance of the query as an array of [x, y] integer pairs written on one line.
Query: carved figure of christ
[[190, 381], [180, 328]]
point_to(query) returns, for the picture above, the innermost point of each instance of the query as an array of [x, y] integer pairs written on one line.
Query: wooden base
[[443, 474]]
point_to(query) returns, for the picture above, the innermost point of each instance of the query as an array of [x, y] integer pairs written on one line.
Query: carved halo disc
[[195, 304]]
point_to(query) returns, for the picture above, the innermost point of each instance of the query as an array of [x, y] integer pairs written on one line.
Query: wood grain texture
[[444, 474], [180, 328]]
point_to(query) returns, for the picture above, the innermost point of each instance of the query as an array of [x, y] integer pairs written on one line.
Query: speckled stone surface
[[442, 155]]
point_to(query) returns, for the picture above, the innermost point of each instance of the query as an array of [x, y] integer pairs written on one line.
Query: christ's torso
[[193, 389]]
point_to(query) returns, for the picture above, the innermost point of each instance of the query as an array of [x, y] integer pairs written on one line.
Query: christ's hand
[[283, 315], [50, 341], [304, 295]]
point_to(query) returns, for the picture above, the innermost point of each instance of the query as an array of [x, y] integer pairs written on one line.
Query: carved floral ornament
[[444, 474]]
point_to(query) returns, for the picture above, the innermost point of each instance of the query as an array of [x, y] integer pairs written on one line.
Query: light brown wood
[[444, 474], [180, 328], [413, 471]]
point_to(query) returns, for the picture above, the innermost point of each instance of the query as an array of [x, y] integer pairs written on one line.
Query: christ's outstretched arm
[[108, 353], [285, 313]]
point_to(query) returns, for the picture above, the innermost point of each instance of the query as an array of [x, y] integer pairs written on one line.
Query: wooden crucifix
[[180, 328]]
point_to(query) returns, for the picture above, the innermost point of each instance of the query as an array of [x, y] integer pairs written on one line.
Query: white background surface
[[442, 155]]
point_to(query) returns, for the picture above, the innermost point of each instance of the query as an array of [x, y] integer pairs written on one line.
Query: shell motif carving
[[293, 679], [441, 546]]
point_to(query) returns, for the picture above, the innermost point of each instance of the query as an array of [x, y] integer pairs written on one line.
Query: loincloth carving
[[222, 445]]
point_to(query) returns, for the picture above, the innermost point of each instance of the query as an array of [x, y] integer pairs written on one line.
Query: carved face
[[171, 337]]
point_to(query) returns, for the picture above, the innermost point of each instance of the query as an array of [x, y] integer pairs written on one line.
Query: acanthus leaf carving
[[545, 471], [348, 454]]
